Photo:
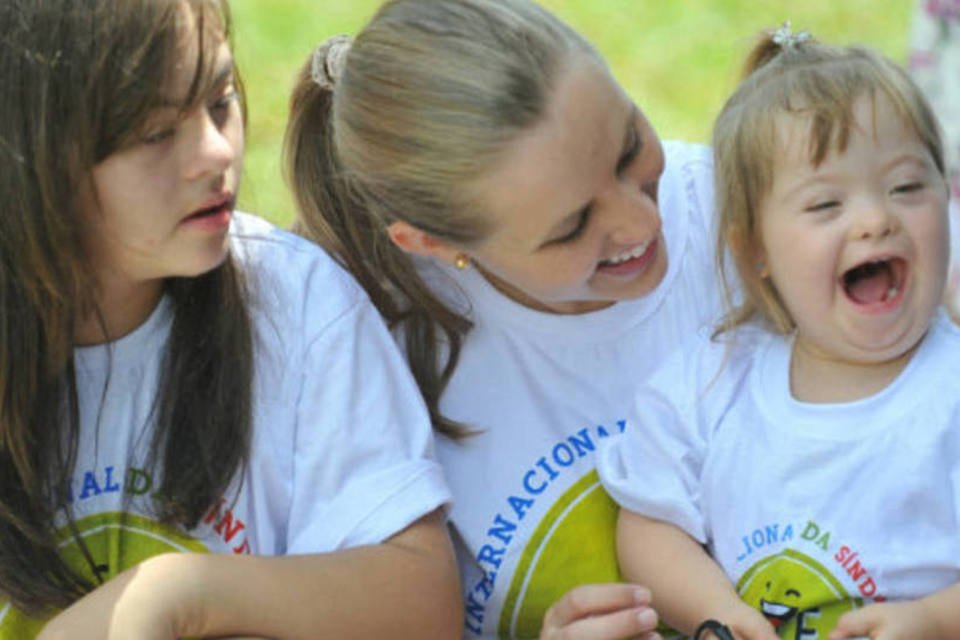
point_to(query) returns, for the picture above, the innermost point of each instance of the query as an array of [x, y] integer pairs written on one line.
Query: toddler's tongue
[[869, 283]]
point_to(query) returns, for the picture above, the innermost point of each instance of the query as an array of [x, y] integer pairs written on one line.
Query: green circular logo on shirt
[[574, 544], [797, 594], [116, 541]]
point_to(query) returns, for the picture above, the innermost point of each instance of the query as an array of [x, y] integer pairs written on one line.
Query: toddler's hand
[[747, 623], [886, 621]]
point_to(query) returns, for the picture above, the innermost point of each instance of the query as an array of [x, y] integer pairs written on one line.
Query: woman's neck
[[120, 307], [559, 308]]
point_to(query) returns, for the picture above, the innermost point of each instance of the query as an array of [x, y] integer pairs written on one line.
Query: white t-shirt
[[810, 509], [530, 519], [341, 443]]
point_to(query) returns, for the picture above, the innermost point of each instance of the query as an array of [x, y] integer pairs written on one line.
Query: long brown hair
[[430, 96], [79, 78]]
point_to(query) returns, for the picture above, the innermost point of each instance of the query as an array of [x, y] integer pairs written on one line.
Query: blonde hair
[[430, 95], [813, 81]]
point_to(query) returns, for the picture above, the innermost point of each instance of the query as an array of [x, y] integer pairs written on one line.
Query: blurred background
[[677, 58]]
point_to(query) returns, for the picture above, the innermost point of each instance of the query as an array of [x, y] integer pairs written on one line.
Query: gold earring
[[461, 261]]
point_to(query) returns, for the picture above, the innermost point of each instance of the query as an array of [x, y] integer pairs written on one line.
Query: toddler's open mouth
[[875, 281]]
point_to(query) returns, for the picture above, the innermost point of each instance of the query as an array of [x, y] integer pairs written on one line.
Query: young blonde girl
[[806, 458], [181, 377]]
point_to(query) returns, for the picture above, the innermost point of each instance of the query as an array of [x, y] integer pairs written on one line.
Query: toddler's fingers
[[855, 624]]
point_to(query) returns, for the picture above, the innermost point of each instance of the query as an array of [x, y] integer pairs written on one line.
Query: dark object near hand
[[720, 631]]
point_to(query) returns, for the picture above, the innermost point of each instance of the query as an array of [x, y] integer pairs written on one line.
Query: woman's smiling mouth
[[631, 261]]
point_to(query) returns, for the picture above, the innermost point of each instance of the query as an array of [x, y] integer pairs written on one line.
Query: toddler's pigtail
[[773, 44]]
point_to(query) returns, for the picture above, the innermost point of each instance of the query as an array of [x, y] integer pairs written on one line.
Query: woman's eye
[[650, 188], [576, 232], [825, 205], [630, 154]]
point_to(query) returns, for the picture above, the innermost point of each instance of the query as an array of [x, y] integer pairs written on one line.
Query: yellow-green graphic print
[[797, 594], [572, 545], [116, 541], [802, 579]]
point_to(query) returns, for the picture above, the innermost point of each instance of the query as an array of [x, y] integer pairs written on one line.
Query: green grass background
[[677, 58]]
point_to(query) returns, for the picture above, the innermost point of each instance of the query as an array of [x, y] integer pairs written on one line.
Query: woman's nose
[[634, 216]]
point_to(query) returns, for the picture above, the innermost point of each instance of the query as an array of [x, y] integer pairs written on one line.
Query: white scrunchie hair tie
[[329, 59]]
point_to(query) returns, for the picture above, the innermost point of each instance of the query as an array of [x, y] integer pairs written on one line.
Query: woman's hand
[[601, 612]]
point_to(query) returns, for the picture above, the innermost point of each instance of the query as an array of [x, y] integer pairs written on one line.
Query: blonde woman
[[537, 250]]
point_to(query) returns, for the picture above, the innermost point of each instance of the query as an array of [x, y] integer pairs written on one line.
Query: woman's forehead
[[553, 170]]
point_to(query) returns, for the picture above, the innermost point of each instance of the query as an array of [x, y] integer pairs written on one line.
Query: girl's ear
[[748, 252], [421, 243]]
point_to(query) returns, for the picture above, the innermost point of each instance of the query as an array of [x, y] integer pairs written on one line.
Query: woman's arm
[[687, 585], [405, 587]]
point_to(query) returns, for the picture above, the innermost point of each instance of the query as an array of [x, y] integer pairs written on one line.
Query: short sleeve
[[363, 466], [655, 469]]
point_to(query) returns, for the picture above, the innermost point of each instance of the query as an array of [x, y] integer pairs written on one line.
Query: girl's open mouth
[[215, 217], [215, 210], [875, 282]]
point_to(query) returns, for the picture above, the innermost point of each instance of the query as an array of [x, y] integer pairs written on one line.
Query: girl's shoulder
[[288, 277], [716, 363], [258, 243]]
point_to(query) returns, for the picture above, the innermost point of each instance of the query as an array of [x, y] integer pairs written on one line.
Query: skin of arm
[[934, 617], [405, 587], [687, 585]]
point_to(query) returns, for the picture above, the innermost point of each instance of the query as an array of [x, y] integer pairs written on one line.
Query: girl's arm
[[687, 585], [934, 617], [406, 587]]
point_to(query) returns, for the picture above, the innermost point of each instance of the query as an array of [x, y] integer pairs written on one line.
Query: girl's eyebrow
[[818, 177], [907, 158], [221, 76], [224, 72]]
